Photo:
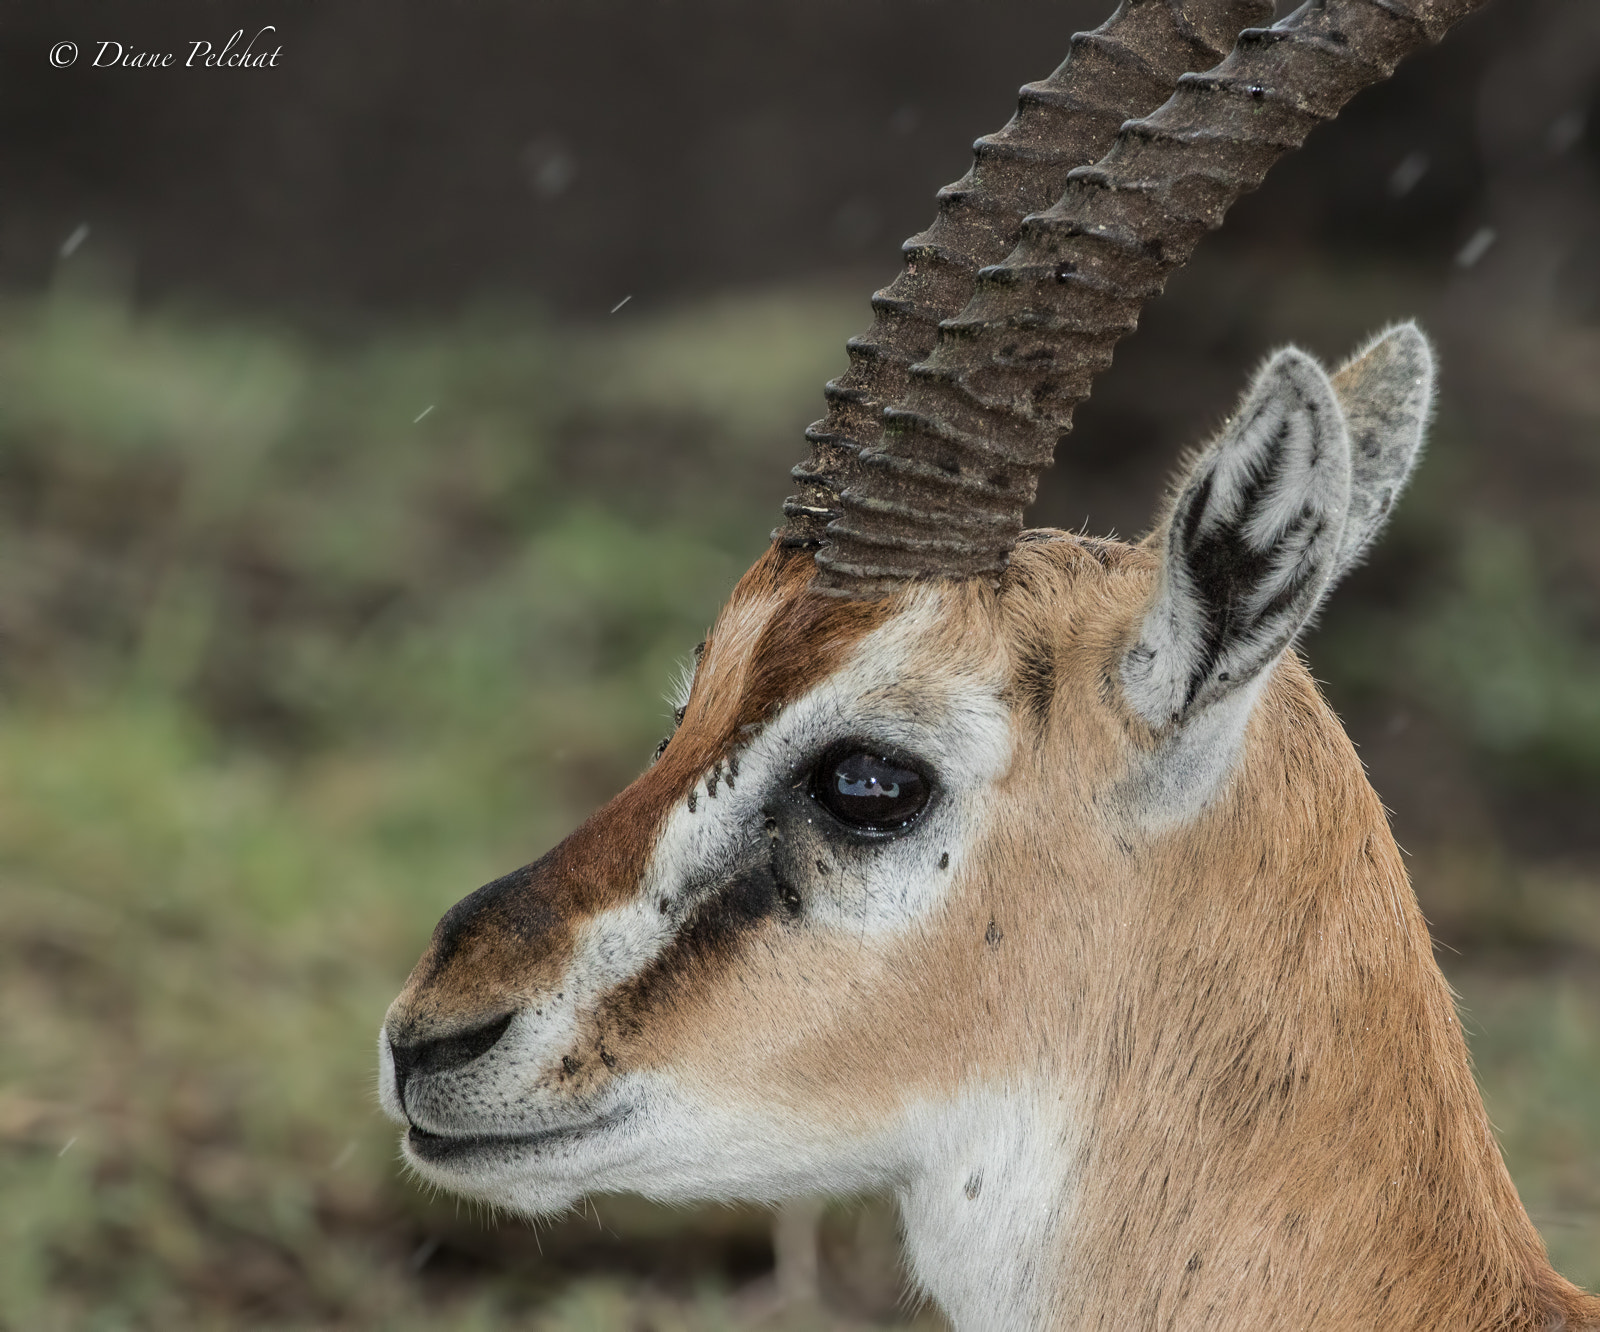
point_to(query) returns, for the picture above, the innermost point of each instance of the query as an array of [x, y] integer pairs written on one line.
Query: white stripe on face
[[906, 688], [949, 715]]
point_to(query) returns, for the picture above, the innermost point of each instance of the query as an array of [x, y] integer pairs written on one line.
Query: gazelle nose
[[443, 1053]]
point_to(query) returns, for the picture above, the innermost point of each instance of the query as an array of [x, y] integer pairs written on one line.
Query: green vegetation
[[286, 670], [1493, 653]]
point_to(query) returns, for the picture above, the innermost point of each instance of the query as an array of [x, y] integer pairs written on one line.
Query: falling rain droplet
[[423, 1252], [1476, 247], [549, 166], [1565, 131], [1407, 172]]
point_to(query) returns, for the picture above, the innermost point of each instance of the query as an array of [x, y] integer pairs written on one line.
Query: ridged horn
[[943, 491], [1125, 67]]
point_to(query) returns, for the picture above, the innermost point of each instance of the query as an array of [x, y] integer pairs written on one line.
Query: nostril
[[444, 1053]]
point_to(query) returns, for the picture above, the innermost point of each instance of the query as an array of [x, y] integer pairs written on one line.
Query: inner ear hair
[[1386, 391], [1249, 547]]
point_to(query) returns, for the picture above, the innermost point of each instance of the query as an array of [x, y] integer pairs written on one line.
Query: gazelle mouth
[[447, 1149]]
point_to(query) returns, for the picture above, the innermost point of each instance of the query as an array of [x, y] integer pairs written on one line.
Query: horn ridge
[[998, 391], [1123, 68]]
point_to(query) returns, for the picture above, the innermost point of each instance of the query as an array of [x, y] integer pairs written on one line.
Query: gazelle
[[1024, 874]]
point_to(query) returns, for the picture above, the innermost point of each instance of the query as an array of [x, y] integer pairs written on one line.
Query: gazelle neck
[[1267, 1118], [986, 1207]]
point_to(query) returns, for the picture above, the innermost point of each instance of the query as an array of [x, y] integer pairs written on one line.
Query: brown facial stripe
[[503, 945], [803, 645]]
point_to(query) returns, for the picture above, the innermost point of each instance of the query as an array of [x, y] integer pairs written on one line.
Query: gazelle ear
[[1251, 545], [1386, 393]]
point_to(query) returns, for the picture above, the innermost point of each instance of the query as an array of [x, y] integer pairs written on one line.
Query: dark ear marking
[[1229, 573], [1250, 545]]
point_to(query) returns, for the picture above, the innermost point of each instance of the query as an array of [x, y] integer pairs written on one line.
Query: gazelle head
[[1024, 874]]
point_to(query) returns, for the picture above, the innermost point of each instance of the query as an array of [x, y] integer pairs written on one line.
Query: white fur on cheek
[[988, 1204], [680, 1136]]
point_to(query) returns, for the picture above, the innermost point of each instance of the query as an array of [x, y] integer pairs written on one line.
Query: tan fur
[[1286, 1129], [1282, 1129], [772, 641]]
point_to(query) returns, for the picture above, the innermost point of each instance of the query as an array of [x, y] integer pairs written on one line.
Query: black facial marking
[[793, 852], [1034, 681], [711, 937]]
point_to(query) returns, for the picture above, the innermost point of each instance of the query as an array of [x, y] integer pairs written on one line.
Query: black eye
[[867, 790]]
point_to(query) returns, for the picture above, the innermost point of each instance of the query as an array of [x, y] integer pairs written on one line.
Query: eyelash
[[678, 694]]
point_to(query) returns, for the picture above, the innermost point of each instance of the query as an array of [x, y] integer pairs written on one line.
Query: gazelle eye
[[868, 790]]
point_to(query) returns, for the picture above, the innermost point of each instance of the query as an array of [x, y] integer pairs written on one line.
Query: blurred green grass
[[285, 670]]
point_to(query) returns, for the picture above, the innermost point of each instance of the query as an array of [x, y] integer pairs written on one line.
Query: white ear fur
[[1386, 393], [1250, 547]]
